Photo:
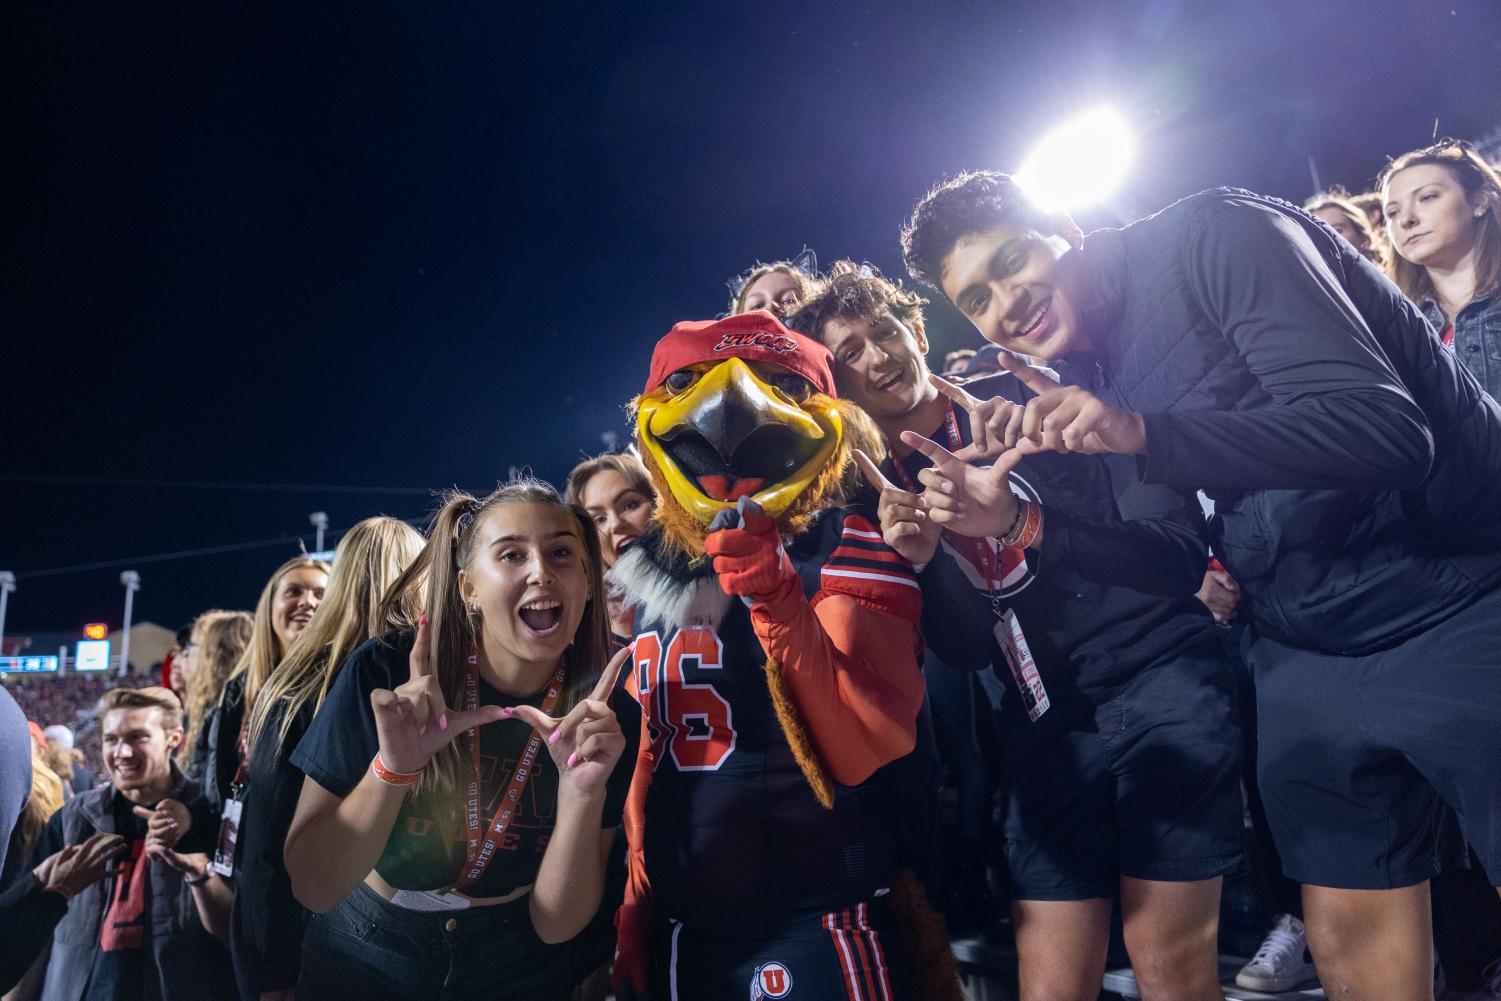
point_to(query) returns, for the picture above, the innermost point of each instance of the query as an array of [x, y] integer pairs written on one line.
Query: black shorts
[[1359, 754], [853, 954], [1145, 784]]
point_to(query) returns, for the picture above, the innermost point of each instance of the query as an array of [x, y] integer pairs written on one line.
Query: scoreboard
[[28, 665]]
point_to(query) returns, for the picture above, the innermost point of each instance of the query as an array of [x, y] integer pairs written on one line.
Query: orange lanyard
[[479, 851]]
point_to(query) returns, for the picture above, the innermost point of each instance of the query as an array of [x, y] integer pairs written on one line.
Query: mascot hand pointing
[[746, 547]]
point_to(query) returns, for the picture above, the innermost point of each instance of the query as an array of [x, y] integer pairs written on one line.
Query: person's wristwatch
[[208, 870]]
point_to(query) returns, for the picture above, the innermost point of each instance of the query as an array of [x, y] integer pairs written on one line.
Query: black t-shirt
[[426, 847], [119, 971], [266, 921]]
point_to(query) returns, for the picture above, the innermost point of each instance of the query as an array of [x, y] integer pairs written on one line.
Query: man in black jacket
[[1234, 344], [1120, 746]]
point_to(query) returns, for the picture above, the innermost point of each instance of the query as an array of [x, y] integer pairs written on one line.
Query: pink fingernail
[[422, 619], [571, 759], [552, 738], [506, 712], [443, 721], [422, 730]]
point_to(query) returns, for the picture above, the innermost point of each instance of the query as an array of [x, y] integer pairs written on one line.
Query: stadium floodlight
[[1080, 163], [131, 581], [7, 585], [319, 521]]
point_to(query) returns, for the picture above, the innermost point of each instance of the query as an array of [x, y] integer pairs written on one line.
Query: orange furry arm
[[628, 974], [851, 666], [848, 657]]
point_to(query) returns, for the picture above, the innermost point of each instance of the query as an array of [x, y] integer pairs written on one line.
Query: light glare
[[1080, 163]]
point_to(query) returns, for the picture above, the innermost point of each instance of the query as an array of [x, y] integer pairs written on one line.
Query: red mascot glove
[[632, 950], [747, 552]]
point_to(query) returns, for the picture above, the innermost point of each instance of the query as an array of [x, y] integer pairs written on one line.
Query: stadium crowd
[[542, 750]]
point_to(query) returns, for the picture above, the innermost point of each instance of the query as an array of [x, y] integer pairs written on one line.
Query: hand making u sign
[[414, 722], [587, 742], [1071, 418], [905, 525], [995, 425]]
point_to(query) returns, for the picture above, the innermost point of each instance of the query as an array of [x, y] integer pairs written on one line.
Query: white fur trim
[[660, 597]]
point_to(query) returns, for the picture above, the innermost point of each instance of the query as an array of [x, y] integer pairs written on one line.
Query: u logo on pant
[[771, 980]]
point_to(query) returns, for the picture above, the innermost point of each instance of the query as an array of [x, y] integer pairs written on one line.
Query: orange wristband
[[1026, 528], [391, 778]]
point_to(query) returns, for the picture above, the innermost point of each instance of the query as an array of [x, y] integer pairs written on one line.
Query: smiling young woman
[[286, 606], [390, 842]]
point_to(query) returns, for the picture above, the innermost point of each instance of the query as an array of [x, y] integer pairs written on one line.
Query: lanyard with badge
[[479, 850], [985, 555], [229, 820]]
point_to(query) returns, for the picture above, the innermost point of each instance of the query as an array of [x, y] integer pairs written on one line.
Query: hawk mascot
[[782, 795]]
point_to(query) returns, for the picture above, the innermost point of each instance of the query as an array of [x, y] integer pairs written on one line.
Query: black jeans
[[369, 948]]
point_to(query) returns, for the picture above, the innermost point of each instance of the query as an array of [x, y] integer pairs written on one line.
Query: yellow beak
[[730, 434]]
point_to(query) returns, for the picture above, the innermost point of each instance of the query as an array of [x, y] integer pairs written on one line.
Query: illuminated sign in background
[[91, 655], [28, 665]]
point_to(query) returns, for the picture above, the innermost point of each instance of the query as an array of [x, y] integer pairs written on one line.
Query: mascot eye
[[795, 386], [680, 380]]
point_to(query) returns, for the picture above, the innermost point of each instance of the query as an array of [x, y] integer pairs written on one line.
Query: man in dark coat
[[137, 935], [1234, 344]]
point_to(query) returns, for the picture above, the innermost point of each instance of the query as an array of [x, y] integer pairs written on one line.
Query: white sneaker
[[1282, 963]]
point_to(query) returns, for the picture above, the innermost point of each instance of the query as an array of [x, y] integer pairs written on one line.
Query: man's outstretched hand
[[905, 525], [969, 500], [1072, 419], [78, 866]]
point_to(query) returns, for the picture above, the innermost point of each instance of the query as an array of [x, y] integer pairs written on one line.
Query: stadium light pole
[[319, 520], [132, 582], [7, 585]]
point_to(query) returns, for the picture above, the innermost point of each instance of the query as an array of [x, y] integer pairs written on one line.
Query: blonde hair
[[150, 697], [434, 576], [222, 638], [46, 799], [264, 651], [370, 558]]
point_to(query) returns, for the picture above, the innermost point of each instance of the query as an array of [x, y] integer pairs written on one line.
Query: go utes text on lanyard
[[478, 851], [985, 556]]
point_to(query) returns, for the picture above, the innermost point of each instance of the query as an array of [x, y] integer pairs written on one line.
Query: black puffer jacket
[[1356, 467]]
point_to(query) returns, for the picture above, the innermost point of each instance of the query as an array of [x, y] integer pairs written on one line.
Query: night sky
[[410, 246]]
